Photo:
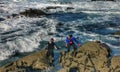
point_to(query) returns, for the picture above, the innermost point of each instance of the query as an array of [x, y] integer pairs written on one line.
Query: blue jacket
[[73, 39]]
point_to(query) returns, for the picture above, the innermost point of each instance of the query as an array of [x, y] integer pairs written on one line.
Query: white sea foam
[[23, 42], [4, 27], [87, 7]]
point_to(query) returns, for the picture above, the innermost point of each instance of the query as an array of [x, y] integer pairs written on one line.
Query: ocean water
[[86, 20]]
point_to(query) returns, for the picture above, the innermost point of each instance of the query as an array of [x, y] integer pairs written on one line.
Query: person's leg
[[68, 46], [48, 56], [75, 50], [51, 58], [75, 47]]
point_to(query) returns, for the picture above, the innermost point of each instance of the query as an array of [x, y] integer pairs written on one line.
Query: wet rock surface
[[30, 13], [91, 57], [33, 13], [33, 63]]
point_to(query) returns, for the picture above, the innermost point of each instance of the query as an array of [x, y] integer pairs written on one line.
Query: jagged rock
[[92, 56], [69, 8], [33, 62], [95, 49], [53, 7], [39, 65], [29, 13], [74, 64], [33, 13]]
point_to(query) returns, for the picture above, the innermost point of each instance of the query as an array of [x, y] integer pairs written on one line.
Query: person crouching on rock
[[50, 51], [70, 41]]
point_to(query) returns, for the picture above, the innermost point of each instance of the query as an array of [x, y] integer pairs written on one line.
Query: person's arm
[[46, 47], [76, 41], [67, 42], [56, 47]]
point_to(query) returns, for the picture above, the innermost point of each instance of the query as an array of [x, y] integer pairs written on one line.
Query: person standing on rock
[[70, 41], [50, 51]]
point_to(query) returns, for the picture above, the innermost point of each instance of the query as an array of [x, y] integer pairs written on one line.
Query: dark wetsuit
[[50, 52], [50, 49]]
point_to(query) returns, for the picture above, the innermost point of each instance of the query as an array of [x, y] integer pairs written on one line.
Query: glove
[[79, 45]]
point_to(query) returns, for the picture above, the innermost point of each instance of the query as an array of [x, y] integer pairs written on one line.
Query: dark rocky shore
[[33, 13], [90, 57], [32, 63], [30, 13]]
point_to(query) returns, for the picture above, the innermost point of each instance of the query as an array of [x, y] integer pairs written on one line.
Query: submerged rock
[[2, 19], [91, 57], [33, 62]]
